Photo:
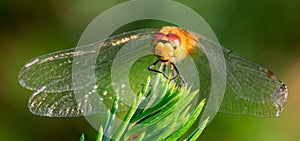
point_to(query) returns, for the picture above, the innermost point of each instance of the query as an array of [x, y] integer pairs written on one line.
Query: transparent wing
[[251, 88], [50, 76]]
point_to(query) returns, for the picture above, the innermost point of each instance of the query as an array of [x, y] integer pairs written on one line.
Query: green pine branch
[[161, 111]]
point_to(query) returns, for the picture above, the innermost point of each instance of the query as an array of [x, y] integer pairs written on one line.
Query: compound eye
[[158, 36], [174, 38]]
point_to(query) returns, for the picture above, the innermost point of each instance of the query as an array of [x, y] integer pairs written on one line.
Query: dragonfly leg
[[175, 68], [174, 73], [164, 67], [152, 69]]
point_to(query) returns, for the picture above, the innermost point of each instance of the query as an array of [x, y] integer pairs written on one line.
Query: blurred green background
[[267, 31]]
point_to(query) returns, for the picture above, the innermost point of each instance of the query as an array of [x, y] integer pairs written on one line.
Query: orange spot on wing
[[270, 74]]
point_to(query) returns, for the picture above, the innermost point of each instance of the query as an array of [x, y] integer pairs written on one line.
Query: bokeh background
[[267, 31]]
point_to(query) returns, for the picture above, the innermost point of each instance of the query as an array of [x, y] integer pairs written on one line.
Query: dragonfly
[[251, 89]]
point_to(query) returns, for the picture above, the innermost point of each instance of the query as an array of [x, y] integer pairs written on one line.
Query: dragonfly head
[[173, 42], [167, 45]]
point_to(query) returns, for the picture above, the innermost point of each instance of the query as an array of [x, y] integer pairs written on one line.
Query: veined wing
[[251, 88], [50, 76]]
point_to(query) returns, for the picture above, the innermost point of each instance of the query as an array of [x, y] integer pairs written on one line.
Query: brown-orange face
[[172, 42], [166, 46]]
